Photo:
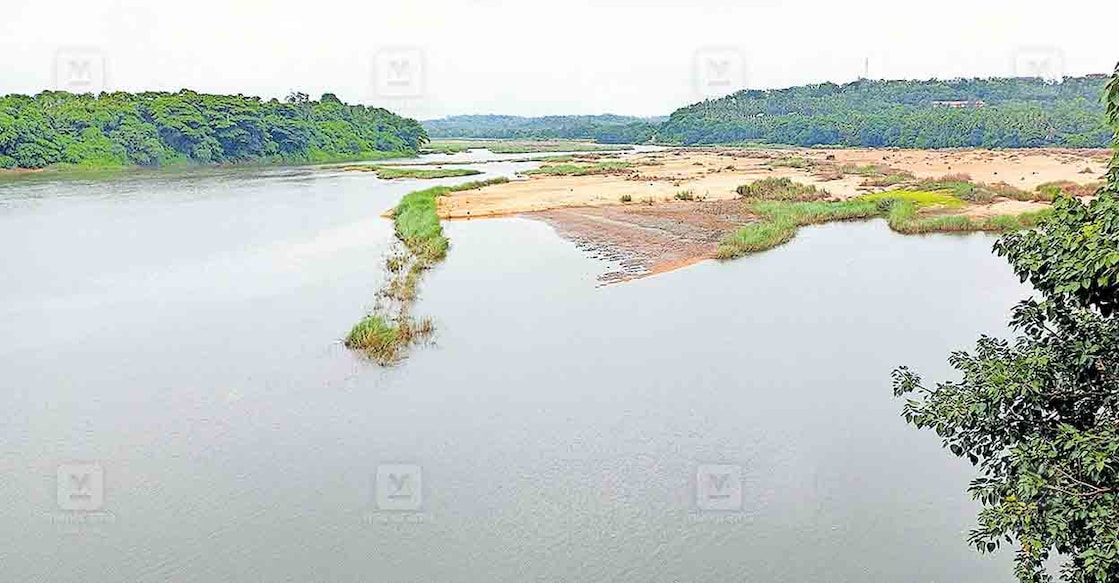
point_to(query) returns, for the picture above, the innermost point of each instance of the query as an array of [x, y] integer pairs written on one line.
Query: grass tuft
[[780, 189], [377, 338], [791, 162]]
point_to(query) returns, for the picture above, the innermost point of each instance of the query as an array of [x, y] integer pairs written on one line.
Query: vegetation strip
[[783, 206], [396, 172], [389, 329], [565, 169]]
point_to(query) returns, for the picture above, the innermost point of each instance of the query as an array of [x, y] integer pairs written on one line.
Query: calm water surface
[[182, 334]]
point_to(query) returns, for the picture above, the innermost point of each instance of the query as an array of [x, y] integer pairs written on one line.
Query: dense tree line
[[605, 129], [1038, 415], [158, 129], [989, 113]]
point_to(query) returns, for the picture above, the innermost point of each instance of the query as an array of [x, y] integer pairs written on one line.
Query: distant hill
[[1002, 113], [606, 129], [985, 113]]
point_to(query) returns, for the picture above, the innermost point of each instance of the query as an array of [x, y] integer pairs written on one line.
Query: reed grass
[[780, 189], [385, 334], [377, 338], [779, 221]]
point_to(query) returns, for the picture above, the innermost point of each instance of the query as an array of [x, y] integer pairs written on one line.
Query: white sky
[[527, 57]]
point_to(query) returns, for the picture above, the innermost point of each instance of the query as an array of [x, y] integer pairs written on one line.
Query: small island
[[399, 172]]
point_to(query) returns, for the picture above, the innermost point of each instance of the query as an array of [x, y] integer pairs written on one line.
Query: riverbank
[[81, 172]]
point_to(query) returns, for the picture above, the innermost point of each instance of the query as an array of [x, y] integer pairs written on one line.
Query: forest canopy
[[978, 113], [960, 113], [114, 130]]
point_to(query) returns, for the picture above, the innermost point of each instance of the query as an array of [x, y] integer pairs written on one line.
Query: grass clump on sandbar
[[783, 206], [384, 334], [571, 169], [780, 189], [778, 223], [903, 216], [397, 172]]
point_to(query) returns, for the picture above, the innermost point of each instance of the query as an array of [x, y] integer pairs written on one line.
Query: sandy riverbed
[[715, 173], [655, 233]]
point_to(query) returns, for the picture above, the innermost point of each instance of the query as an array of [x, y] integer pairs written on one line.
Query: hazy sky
[[427, 59]]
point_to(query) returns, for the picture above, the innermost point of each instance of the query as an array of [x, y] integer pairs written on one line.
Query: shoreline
[[69, 172]]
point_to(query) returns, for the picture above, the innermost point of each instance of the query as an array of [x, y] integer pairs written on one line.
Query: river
[[171, 351]]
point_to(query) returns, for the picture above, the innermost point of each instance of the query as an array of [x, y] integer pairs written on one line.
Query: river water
[[176, 403]]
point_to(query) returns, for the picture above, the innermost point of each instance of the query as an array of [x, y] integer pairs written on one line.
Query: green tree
[[1014, 113], [155, 128], [1039, 416]]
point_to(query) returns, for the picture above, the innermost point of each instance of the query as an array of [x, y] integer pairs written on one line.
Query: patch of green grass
[[867, 170], [779, 222], [476, 184], [780, 189], [684, 195], [893, 179], [919, 197], [376, 337], [755, 237], [810, 213], [791, 162], [605, 167], [417, 224], [395, 172], [903, 217], [959, 186]]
